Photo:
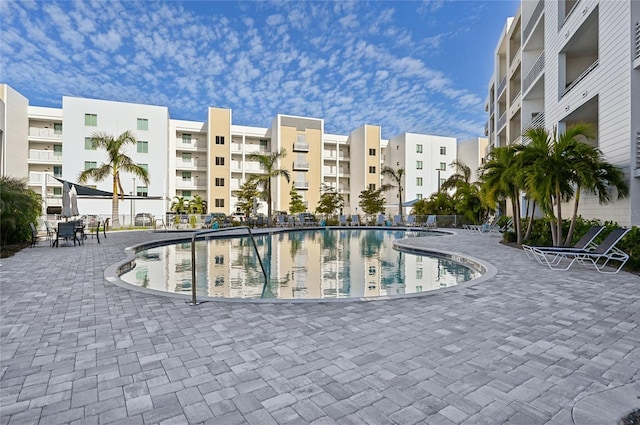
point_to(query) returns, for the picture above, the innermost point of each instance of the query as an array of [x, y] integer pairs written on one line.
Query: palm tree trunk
[[269, 203], [115, 220], [530, 225], [515, 209], [400, 196], [552, 223], [559, 215], [573, 217]]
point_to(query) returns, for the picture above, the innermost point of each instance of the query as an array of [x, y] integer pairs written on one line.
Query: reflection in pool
[[313, 264]]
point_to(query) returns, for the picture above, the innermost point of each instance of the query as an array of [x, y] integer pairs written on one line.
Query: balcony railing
[[492, 108], [638, 150], [48, 133], [533, 73], [580, 77], [502, 86], [301, 185], [300, 165], [575, 6], [300, 147], [190, 183], [344, 172], [200, 163], [50, 156], [486, 128], [532, 21], [37, 177], [330, 171], [637, 40], [538, 122], [502, 121], [190, 143]]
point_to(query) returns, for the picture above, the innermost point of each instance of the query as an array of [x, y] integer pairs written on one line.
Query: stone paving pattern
[[521, 348]]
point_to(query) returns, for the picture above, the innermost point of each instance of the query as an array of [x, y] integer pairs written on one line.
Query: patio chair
[[280, 221], [355, 220], [411, 220], [208, 220], [35, 235], [490, 221], [51, 232], [598, 258], [291, 220], [585, 242], [431, 222], [397, 220], [343, 220], [380, 220], [66, 230], [495, 229]]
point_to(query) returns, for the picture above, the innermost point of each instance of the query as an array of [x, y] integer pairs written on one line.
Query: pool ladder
[[194, 300]]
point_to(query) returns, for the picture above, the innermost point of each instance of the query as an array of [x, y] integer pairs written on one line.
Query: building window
[[57, 191], [88, 165], [143, 124], [219, 181], [57, 169], [219, 140], [372, 170], [419, 274], [142, 191], [88, 144], [91, 120], [219, 160], [57, 150], [145, 166], [418, 165], [442, 181], [186, 156], [186, 138], [443, 150], [372, 186], [186, 176], [186, 194], [418, 148], [372, 152], [219, 259], [57, 129], [142, 146], [443, 166], [418, 181], [263, 144], [219, 203], [419, 196]]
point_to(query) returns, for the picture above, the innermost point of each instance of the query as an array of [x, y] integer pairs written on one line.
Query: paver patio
[[527, 346]]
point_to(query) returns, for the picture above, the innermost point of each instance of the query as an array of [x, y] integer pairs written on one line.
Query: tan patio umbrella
[[73, 196]]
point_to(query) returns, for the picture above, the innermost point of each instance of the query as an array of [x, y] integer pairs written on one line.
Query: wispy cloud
[[347, 62]]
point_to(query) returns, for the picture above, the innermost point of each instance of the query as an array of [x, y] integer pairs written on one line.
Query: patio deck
[[527, 346]]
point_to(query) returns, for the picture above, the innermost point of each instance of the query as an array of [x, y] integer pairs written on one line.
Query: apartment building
[[562, 62], [210, 159]]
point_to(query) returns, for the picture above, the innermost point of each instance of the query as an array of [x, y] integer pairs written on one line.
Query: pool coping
[[113, 272]]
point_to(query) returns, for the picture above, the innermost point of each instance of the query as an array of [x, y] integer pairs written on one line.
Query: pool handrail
[[194, 300]]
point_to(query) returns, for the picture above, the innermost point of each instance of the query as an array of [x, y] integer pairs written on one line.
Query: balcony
[[300, 166], [330, 171], [45, 156], [190, 165], [534, 72], [492, 108], [190, 144], [532, 21], [301, 185], [192, 183], [45, 133], [486, 128], [538, 122], [637, 37], [301, 147], [580, 77], [37, 177], [236, 147], [502, 121], [502, 86], [343, 156], [330, 154]]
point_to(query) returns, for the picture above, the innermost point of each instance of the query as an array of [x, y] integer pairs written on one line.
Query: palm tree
[[467, 196], [461, 178], [269, 161], [180, 205], [498, 176], [197, 205], [396, 176], [118, 162]]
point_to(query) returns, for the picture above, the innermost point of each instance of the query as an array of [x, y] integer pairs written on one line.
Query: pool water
[[311, 264]]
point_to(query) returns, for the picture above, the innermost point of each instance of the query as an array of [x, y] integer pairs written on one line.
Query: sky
[[407, 66]]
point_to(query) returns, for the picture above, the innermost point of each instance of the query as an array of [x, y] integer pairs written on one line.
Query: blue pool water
[[310, 264]]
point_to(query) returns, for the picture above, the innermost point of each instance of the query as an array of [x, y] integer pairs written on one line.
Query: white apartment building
[[209, 159], [562, 62]]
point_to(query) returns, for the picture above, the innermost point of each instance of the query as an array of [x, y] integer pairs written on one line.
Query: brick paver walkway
[[524, 347]]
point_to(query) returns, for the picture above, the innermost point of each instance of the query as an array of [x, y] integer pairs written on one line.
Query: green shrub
[[19, 206]]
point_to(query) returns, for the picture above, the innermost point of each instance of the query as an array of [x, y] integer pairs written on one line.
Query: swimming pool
[[305, 264]]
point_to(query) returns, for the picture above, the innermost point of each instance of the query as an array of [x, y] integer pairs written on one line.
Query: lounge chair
[[207, 222], [280, 221], [380, 220], [343, 220], [291, 220], [585, 242], [431, 222], [411, 220], [490, 221], [598, 258], [495, 229], [397, 220], [355, 220]]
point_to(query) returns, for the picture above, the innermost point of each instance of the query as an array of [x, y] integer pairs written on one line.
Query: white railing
[[300, 146], [532, 21], [342, 156], [502, 85], [533, 73], [329, 154], [638, 150], [300, 165], [301, 185], [49, 133], [344, 172], [192, 143], [538, 122], [502, 120], [492, 108], [580, 77], [190, 183], [329, 171], [236, 147], [200, 163], [38, 155], [39, 176]]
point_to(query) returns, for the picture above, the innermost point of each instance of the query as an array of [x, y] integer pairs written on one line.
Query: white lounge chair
[[355, 220], [597, 258], [343, 220], [585, 242], [380, 220], [431, 222]]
